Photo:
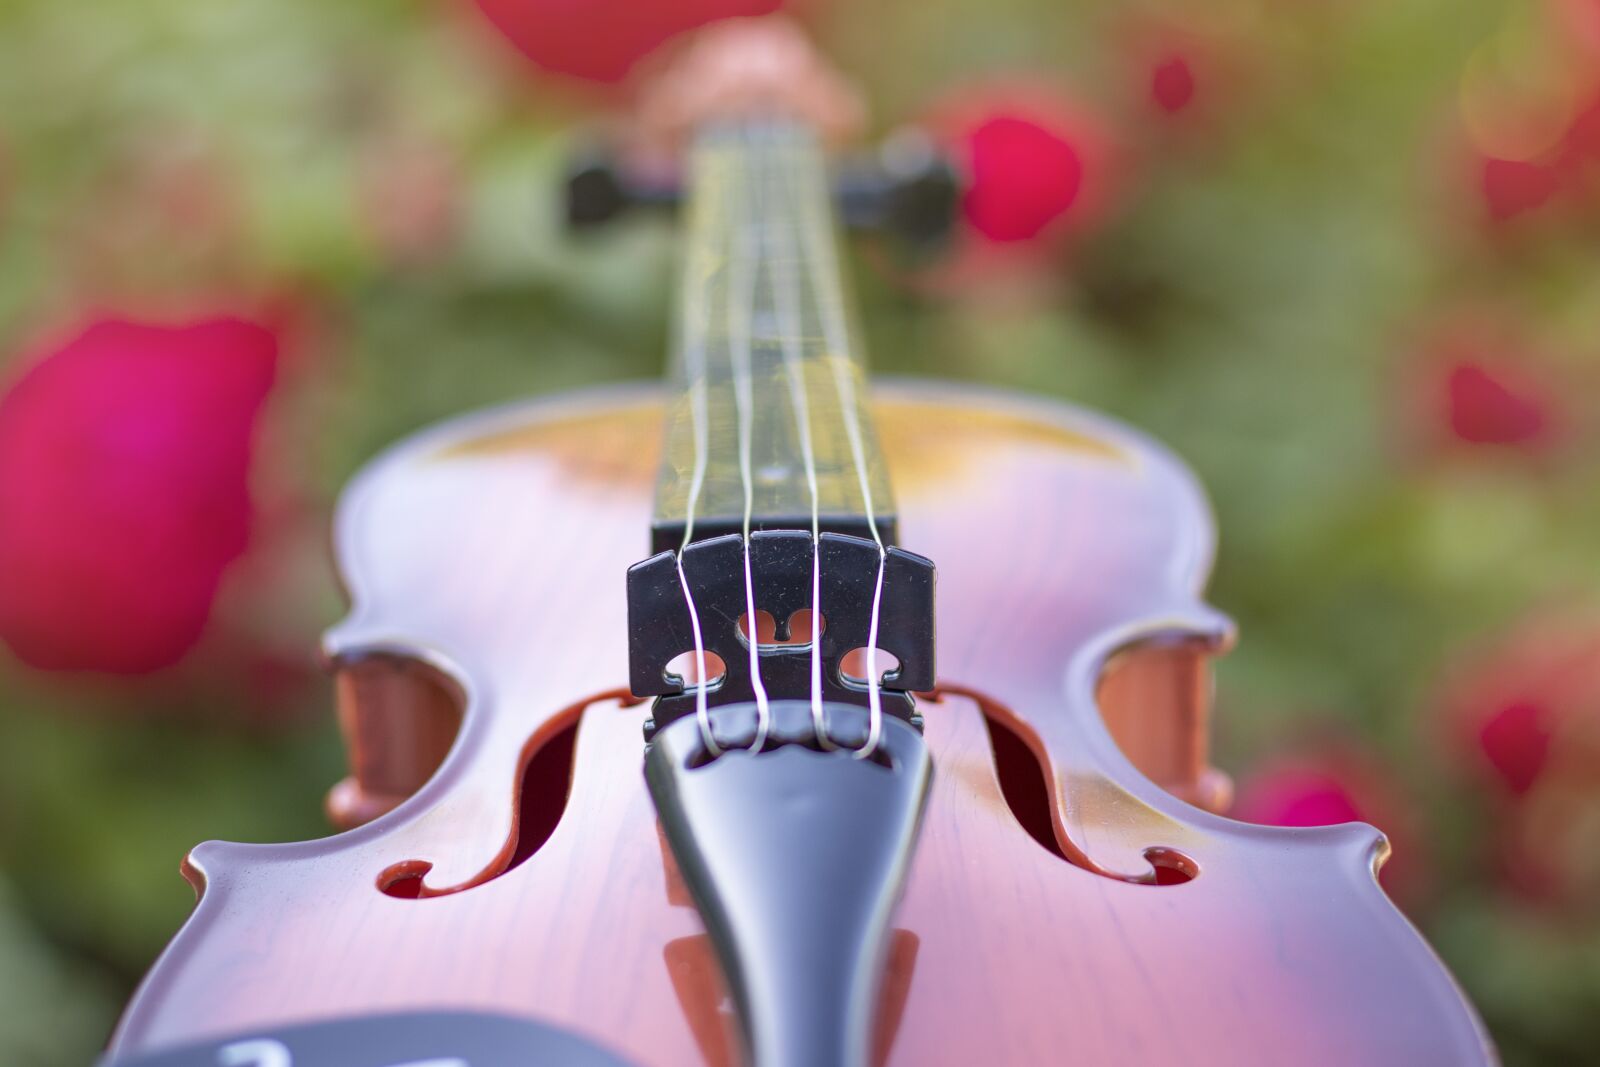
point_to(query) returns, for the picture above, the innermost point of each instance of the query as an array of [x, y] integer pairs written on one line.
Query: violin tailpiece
[[795, 855]]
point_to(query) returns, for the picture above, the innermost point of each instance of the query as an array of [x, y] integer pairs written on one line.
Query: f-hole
[[1022, 783], [1025, 786], [546, 784], [541, 800]]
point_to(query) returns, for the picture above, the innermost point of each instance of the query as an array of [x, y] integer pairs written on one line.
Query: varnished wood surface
[[494, 550]]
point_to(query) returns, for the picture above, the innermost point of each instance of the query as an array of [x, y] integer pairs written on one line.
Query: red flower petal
[[1040, 170], [1483, 408], [1172, 84], [124, 463], [1512, 186], [1580, 145], [1516, 741], [601, 40], [1506, 706], [1294, 794], [1024, 177]]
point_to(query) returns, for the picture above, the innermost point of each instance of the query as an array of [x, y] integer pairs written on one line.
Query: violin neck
[[768, 424]]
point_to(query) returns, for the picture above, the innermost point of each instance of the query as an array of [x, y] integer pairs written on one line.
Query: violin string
[[787, 297], [693, 341], [823, 258], [740, 308]]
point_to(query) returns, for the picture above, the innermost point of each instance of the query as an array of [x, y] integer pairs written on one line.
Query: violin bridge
[[661, 628]]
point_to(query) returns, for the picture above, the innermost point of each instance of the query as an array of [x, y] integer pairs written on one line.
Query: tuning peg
[[594, 194], [598, 190], [907, 188]]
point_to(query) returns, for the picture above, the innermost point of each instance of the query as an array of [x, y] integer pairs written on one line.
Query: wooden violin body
[[485, 561]]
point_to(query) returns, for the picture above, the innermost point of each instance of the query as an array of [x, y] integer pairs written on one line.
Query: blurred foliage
[[1260, 298]]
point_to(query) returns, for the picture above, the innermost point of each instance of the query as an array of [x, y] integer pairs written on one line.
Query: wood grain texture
[[494, 549]]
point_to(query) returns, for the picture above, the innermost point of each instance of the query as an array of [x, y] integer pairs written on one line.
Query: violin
[[773, 717]]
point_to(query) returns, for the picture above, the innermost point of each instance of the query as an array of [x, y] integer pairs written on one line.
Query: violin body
[[1077, 912]]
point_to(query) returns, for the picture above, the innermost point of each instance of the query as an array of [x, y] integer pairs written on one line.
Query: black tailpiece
[[794, 856]]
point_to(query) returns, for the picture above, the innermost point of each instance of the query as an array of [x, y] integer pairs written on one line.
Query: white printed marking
[[262, 1052]]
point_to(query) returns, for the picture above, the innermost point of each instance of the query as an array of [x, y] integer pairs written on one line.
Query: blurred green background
[[1344, 257]]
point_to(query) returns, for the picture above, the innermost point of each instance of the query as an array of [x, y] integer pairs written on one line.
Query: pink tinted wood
[[493, 550]]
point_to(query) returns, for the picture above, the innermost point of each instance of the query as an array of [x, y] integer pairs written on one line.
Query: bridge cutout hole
[[542, 799], [767, 629], [684, 670], [853, 666]]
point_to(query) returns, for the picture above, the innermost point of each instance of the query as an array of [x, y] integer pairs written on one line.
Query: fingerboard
[[769, 419]]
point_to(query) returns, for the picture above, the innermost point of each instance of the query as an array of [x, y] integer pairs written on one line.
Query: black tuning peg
[[598, 190], [907, 189], [594, 194]]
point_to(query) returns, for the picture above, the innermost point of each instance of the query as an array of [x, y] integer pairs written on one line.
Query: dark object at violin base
[[485, 560], [793, 855]]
